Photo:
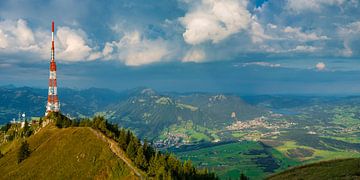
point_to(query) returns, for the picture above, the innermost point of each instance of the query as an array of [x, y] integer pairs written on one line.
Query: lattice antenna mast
[[53, 100]]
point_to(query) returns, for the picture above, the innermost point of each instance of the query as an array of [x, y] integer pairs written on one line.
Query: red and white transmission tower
[[53, 104]]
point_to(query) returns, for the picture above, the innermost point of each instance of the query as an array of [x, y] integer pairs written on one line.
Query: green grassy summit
[[69, 153], [334, 169], [60, 148]]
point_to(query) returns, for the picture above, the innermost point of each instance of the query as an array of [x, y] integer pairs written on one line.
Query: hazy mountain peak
[[164, 101], [148, 91], [219, 97], [9, 86]]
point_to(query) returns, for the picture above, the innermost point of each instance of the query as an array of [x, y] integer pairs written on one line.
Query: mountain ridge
[[119, 152]]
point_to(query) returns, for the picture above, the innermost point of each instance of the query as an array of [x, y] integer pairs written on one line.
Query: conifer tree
[[122, 139], [40, 121], [153, 165], [140, 159], [131, 149], [174, 164], [24, 151], [243, 177], [6, 127], [74, 123], [188, 168], [148, 150], [161, 173], [128, 136]]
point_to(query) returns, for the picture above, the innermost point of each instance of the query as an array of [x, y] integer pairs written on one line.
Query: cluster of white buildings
[[259, 122]]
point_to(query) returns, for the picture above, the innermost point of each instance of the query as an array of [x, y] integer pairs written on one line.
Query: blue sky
[[239, 46]]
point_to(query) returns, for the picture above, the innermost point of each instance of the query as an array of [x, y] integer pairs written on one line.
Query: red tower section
[[53, 104]]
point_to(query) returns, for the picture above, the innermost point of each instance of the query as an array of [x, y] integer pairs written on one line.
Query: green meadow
[[254, 159]]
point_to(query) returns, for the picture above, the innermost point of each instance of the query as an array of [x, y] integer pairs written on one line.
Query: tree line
[[16, 131]]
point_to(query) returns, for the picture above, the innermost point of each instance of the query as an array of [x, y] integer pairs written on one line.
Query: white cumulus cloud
[[257, 31], [320, 66], [214, 20], [108, 49], [16, 36], [302, 48], [70, 44], [298, 6], [261, 63], [194, 55], [133, 49], [350, 34], [297, 34]]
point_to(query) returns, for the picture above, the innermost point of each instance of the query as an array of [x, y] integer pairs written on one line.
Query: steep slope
[[120, 153], [334, 169], [71, 153]]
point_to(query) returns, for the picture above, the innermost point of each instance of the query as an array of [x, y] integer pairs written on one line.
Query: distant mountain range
[[141, 109], [148, 112], [32, 101]]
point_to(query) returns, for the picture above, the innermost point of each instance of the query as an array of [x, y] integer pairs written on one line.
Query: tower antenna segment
[[53, 100]]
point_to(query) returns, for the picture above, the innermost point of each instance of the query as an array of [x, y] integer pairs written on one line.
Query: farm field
[[254, 159]]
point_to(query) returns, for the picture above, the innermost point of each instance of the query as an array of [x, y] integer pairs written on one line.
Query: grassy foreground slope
[[69, 153], [334, 169]]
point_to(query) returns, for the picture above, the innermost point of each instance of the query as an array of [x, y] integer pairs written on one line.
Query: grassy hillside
[[334, 169], [70, 153], [90, 149]]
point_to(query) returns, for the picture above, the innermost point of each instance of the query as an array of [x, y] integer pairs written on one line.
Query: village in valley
[[262, 127]]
